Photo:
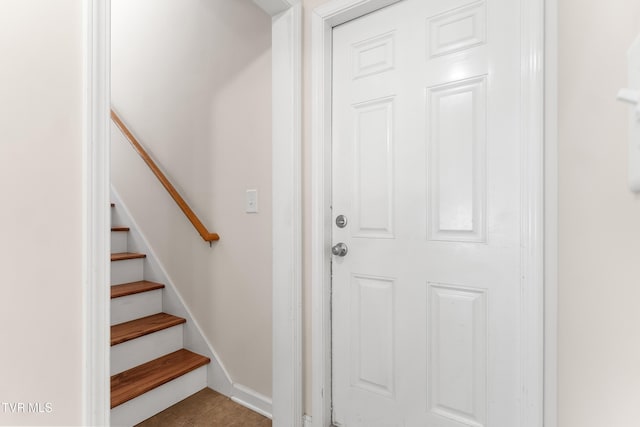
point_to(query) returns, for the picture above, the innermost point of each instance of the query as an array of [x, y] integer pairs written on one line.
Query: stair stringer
[[218, 377]]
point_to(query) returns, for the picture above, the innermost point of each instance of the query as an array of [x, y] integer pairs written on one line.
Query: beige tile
[[204, 409]]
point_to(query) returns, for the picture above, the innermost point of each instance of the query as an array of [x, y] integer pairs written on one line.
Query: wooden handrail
[[206, 235]]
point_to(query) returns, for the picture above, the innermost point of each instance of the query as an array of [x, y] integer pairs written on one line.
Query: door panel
[[457, 133], [372, 326], [374, 168], [426, 168], [457, 367]]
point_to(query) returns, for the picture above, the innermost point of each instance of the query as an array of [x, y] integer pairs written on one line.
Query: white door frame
[[336, 12], [96, 215], [287, 212], [287, 209]]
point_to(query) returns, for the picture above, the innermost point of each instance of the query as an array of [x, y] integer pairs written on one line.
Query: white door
[[426, 170]]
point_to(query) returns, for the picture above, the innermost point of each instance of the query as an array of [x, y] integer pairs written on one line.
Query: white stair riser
[[126, 271], [118, 241], [135, 306], [150, 403], [140, 350]]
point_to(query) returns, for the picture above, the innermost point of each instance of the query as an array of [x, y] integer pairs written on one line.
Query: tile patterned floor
[[207, 408]]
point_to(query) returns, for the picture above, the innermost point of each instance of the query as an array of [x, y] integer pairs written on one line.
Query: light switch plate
[[251, 205]]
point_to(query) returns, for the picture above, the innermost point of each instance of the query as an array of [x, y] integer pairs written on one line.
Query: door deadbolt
[[341, 221]]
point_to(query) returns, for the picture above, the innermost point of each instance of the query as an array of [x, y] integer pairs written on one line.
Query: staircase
[[150, 369]]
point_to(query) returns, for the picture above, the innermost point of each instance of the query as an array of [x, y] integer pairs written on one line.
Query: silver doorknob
[[340, 249]]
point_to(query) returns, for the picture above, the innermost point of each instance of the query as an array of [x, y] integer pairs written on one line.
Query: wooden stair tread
[[125, 289], [119, 228], [121, 256], [133, 329], [132, 383]]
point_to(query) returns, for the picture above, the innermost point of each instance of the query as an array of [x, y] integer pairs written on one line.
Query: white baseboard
[[252, 399]]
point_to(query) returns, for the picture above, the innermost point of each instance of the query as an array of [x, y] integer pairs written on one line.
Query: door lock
[[340, 249], [341, 221]]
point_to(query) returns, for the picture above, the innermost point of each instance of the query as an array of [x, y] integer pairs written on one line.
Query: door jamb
[[286, 30], [551, 214], [324, 18], [95, 215]]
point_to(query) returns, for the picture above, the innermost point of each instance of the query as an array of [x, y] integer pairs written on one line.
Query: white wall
[[599, 220], [40, 212], [192, 79]]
